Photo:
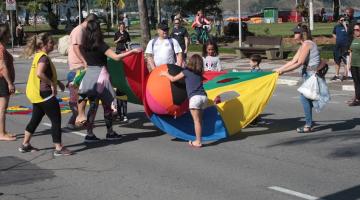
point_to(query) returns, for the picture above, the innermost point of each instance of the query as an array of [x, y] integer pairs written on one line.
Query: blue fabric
[[183, 126], [307, 106], [194, 85], [342, 37]]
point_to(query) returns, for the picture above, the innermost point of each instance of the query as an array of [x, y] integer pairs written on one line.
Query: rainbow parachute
[[236, 98]]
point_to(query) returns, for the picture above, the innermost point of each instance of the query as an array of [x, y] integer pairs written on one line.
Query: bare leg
[[3, 106], [197, 117], [81, 114]]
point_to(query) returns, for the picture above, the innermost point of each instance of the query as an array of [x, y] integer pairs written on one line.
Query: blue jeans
[[307, 106], [307, 103]]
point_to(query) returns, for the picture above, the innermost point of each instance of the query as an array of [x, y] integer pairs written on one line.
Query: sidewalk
[[233, 63]]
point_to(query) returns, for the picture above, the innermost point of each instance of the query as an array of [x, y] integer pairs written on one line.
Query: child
[[254, 62], [120, 105], [210, 56], [195, 91]]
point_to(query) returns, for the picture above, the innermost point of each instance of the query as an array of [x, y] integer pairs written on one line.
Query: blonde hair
[[36, 42]]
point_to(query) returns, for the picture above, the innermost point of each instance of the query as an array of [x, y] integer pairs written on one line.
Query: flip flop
[[10, 134], [80, 123], [8, 138], [191, 144]]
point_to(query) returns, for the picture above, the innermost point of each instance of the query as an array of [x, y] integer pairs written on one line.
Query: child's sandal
[[304, 129]]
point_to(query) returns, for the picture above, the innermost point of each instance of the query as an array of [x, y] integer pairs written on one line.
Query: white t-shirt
[[163, 52], [212, 63]]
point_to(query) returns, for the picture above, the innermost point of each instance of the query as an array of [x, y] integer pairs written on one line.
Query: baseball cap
[[298, 29], [163, 26]]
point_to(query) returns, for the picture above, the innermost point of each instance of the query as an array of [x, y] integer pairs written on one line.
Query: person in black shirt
[[182, 36], [121, 39]]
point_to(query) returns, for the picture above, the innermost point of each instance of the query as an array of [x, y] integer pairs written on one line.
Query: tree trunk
[[336, 6], [144, 22], [158, 10]]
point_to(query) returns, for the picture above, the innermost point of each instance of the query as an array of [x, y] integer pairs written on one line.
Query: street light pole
[[79, 12], [311, 13], [240, 29]]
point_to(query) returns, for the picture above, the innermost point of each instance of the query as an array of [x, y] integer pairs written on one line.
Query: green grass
[[284, 29]]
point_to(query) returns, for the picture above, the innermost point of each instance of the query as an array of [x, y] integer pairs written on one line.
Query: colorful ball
[[165, 97]]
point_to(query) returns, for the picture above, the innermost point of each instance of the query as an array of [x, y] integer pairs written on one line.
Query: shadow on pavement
[[348, 194]]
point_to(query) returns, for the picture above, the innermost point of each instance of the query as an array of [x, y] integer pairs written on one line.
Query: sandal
[[191, 144], [80, 123], [304, 129], [8, 137], [355, 102]]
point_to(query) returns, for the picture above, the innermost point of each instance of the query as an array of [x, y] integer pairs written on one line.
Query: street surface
[[270, 162]]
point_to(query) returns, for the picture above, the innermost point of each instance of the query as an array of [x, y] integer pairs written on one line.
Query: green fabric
[[355, 50], [79, 77], [233, 77], [118, 80]]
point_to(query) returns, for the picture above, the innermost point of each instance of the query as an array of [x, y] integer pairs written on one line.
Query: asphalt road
[[270, 162]]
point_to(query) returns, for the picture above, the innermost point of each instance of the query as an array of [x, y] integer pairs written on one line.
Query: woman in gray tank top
[[307, 57]]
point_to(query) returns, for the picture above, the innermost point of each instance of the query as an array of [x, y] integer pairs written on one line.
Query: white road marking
[[294, 193], [73, 132]]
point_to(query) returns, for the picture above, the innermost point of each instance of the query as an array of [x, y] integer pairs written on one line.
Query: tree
[[144, 22], [336, 6], [34, 7]]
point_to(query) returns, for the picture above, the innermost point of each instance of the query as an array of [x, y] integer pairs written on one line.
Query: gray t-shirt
[[194, 85], [212, 63]]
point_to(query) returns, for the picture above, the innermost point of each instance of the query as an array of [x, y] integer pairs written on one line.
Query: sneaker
[[63, 152], [27, 148], [113, 136], [91, 139], [335, 78], [125, 119]]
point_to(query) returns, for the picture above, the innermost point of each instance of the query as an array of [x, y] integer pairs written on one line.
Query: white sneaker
[[125, 119]]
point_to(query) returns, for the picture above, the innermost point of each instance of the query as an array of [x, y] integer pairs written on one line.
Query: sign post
[[11, 6], [240, 23]]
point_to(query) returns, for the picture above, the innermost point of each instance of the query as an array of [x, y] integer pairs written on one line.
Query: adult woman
[[355, 64], [307, 57], [121, 39], [7, 77], [199, 22], [96, 84], [41, 90]]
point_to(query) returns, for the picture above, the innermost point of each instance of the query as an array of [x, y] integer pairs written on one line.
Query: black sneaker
[[27, 148], [113, 136], [91, 139], [335, 78]]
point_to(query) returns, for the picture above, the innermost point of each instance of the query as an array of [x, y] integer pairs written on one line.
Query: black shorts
[[340, 54], [4, 88]]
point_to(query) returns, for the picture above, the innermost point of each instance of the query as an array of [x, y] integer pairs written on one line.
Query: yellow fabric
[[238, 112], [33, 84]]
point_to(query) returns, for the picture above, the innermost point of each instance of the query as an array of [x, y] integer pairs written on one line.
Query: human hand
[[54, 89], [11, 88], [278, 70], [137, 50], [163, 73], [61, 86]]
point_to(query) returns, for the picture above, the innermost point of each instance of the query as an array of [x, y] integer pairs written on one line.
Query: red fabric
[[209, 75], [135, 69]]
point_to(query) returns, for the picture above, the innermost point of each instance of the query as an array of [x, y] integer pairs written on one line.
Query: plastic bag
[[310, 88]]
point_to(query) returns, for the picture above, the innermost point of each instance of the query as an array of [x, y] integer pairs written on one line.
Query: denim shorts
[[198, 102]]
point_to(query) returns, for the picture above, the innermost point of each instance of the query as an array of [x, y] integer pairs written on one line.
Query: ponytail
[[35, 43]]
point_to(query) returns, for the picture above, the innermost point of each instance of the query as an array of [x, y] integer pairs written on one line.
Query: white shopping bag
[[310, 88]]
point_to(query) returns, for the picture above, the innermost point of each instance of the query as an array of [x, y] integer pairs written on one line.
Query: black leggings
[[355, 73], [50, 108]]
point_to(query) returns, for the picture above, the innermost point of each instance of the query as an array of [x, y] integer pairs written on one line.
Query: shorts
[[198, 102], [4, 88], [340, 54]]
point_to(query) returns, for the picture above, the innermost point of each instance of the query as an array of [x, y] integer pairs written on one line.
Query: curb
[[288, 82], [348, 88]]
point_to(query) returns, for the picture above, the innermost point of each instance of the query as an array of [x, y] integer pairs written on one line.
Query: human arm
[[149, 55], [40, 72], [111, 54], [79, 52], [172, 78], [6, 75], [297, 61], [187, 41], [61, 85]]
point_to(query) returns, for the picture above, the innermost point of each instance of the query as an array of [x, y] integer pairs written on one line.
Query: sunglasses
[[356, 29]]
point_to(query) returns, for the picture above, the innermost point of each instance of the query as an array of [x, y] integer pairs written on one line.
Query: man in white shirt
[[163, 50]]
